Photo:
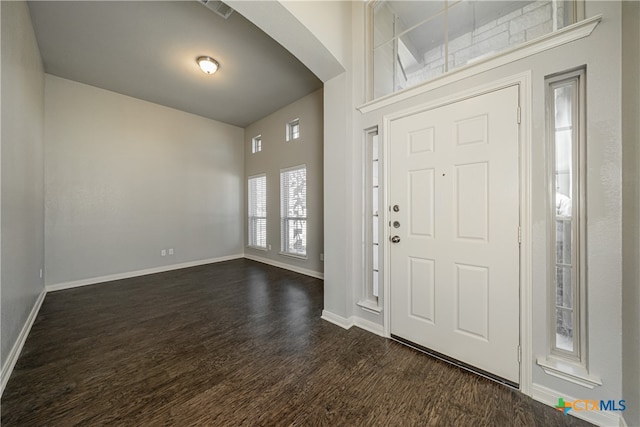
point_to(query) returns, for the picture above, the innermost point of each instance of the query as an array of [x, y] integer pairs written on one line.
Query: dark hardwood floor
[[235, 343]]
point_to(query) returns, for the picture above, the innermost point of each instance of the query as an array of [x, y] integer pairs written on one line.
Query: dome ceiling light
[[207, 64]]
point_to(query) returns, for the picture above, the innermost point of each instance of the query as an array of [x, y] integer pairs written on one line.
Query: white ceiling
[[148, 49]]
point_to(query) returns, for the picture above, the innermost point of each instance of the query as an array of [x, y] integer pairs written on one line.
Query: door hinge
[[519, 235], [519, 354], [519, 114]]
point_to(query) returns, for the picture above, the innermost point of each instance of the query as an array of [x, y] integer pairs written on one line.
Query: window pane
[[564, 288], [563, 240], [563, 97], [375, 233], [562, 103], [421, 53], [383, 64], [409, 42], [564, 330], [375, 283], [383, 23], [293, 187], [257, 204]]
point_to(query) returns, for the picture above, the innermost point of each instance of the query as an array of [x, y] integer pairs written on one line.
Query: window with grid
[[293, 130], [293, 211], [258, 211], [565, 98], [256, 144]]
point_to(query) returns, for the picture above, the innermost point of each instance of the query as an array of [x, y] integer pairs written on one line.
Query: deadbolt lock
[[396, 208]]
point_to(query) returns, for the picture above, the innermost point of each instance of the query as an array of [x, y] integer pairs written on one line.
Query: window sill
[[565, 35], [369, 306], [258, 248], [568, 371], [302, 257]]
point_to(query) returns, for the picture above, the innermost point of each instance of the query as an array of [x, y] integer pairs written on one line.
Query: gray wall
[[126, 178], [278, 154], [631, 210], [22, 223]]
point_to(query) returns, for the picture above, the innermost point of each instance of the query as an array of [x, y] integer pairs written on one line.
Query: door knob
[[395, 239]]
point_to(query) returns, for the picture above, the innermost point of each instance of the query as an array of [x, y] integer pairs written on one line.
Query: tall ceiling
[[148, 49]]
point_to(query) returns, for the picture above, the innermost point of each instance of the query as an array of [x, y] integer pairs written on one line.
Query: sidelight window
[[566, 111], [370, 298]]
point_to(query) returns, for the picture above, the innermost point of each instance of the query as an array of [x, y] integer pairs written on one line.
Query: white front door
[[455, 269]]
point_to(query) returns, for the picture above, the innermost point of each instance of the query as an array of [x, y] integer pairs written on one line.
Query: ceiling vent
[[218, 7]]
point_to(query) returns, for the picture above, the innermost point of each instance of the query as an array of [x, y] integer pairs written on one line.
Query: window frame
[[290, 134], [577, 79], [284, 219], [575, 13], [256, 144], [370, 298], [251, 238]]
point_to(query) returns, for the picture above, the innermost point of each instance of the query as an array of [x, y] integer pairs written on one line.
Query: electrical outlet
[[321, 257], [41, 273], [170, 251], [163, 252], [269, 247]]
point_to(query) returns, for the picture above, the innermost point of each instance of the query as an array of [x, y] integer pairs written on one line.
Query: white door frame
[[523, 81]]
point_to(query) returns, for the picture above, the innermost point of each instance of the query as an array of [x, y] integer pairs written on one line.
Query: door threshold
[[455, 362]]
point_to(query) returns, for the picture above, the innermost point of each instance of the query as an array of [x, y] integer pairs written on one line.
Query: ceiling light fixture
[[208, 64]]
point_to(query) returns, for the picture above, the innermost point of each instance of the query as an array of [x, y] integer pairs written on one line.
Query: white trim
[[130, 274], [550, 397], [289, 267], [568, 371], [369, 306], [523, 80], [623, 422], [367, 325], [10, 363], [343, 322], [526, 230], [293, 255], [568, 34]]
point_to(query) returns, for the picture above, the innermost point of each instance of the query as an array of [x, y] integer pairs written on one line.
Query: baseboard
[[137, 273], [623, 422], [343, 322], [368, 326], [600, 418], [10, 363], [293, 268]]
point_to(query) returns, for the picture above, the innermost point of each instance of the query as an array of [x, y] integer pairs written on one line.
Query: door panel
[[454, 272]]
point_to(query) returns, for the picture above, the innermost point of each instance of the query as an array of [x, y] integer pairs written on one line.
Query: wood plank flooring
[[232, 344]]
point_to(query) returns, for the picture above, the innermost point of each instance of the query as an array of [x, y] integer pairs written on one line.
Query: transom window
[[293, 212], [415, 41]]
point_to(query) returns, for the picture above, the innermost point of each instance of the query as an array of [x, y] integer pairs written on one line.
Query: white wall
[[631, 210], [279, 154], [22, 223], [601, 53], [126, 178]]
